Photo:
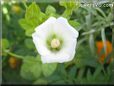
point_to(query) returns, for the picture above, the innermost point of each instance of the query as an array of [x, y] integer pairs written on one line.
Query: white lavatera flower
[[55, 40]]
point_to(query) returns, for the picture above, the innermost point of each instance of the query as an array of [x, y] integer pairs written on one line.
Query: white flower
[[55, 40]]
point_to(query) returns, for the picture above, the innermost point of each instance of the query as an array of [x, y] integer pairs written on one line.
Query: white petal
[[64, 23], [53, 58], [48, 22], [70, 47], [40, 44], [45, 28]]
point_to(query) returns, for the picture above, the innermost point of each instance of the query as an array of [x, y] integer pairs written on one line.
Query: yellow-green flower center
[[55, 43]]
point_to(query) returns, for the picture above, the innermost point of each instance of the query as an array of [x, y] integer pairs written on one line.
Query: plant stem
[[24, 3], [67, 13], [12, 54]]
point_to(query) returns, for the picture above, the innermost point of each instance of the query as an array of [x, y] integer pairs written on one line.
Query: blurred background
[[93, 62]]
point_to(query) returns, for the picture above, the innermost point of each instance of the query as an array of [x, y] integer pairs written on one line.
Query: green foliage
[[85, 68], [50, 10], [97, 72], [103, 38], [48, 69], [85, 58], [5, 43], [41, 81], [32, 19], [72, 72], [74, 23], [89, 76], [31, 69], [70, 6], [29, 43]]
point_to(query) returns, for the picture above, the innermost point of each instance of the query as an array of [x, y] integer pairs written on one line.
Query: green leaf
[[31, 69], [79, 63], [32, 11], [31, 59], [24, 24], [54, 77], [101, 11], [111, 68], [103, 39], [41, 81], [80, 73], [48, 69], [88, 21], [97, 72], [91, 43], [74, 23], [59, 82], [91, 62], [70, 6], [33, 17], [5, 43], [89, 76], [27, 26], [72, 72], [29, 43], [108, 57], [50, 10]]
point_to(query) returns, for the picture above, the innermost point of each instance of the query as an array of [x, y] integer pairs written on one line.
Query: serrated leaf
[[32, 11], [33, 17], [48, 69]]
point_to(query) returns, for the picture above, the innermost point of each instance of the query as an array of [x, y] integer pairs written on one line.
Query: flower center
[[55, 43]]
